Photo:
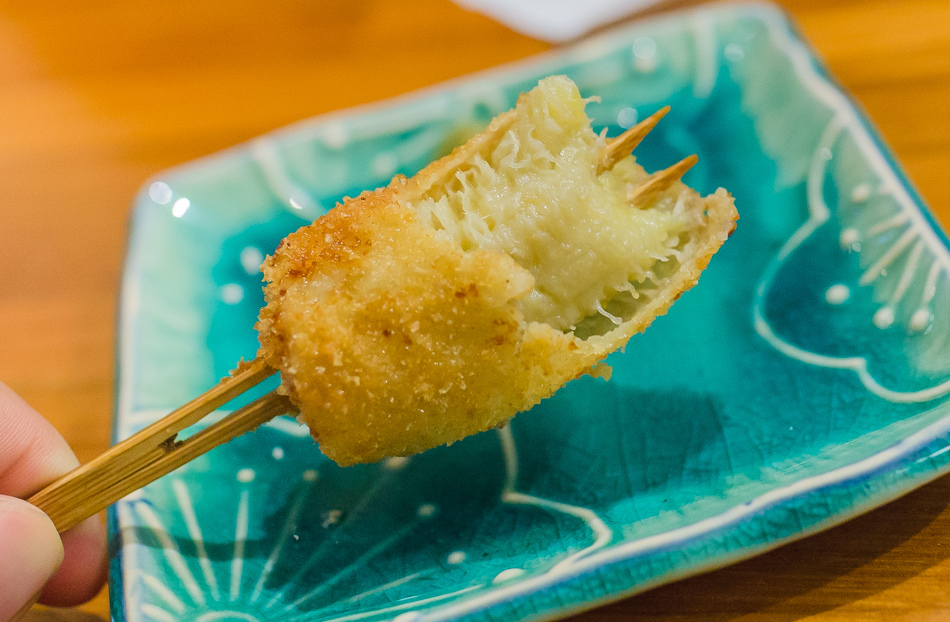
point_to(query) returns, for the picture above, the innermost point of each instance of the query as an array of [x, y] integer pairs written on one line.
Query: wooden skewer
[[154, 451], [623, 145], [661, 181]]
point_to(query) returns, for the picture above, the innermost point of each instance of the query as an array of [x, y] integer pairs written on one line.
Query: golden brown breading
[[396, 330]]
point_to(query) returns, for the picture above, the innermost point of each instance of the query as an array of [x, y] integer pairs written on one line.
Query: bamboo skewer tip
[[623, 145], [661, 181]]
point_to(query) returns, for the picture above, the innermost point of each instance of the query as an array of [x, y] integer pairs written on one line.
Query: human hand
[[68, 570]]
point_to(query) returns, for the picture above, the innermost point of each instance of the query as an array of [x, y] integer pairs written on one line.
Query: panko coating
[[443, 304]]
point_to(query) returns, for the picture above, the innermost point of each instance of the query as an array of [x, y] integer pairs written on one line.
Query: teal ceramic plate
[[806, 379]]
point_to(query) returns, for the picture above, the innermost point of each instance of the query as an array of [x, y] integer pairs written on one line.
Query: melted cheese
[[536, 197]]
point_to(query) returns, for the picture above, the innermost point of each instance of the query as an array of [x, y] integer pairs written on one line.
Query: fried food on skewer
[[443, 304]]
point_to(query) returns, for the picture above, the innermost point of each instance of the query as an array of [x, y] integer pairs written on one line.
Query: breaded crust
[[392, 341], [381, 330], [392, 338]]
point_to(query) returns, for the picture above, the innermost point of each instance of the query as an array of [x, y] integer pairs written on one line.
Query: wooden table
[[97, 96]]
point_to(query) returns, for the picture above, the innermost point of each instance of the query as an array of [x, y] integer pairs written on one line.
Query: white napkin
[[555, 20]]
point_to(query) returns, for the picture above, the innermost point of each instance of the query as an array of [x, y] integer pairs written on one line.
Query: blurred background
[[97, 96]]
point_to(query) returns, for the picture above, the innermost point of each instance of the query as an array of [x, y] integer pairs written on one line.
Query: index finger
[[32, 452]]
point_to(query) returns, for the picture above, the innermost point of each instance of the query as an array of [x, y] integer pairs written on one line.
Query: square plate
[[805, 379]]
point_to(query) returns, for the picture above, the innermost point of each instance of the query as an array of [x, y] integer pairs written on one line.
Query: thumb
[[30, 550]]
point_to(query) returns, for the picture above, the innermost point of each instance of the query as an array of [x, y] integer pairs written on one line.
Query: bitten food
[[443, 304]]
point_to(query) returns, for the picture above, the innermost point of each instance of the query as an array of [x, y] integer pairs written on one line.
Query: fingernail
[[31, 551]]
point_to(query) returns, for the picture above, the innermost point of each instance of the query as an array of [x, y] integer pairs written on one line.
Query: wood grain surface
[[97, 96]]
